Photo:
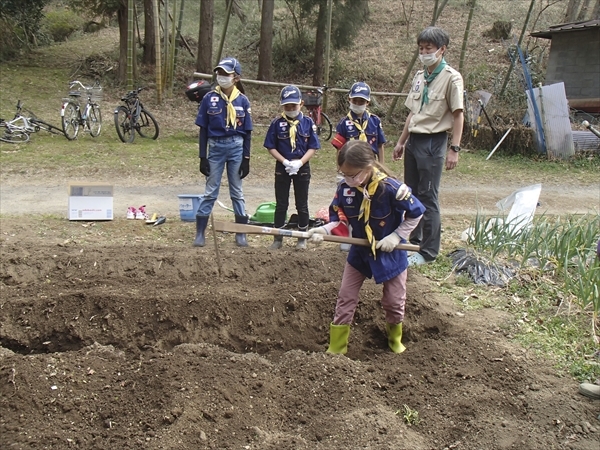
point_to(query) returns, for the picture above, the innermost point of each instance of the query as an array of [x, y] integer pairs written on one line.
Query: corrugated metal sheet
[[586, 141], [554, 111]]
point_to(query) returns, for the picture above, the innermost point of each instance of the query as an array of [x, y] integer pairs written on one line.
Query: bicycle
[[19, 129], [313, 101], [74, 115], [133, 117]]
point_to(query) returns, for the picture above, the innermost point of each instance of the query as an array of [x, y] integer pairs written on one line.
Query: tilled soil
[[120, 335]]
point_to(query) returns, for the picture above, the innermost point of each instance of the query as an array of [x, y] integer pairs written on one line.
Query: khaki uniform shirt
[[445, 96]]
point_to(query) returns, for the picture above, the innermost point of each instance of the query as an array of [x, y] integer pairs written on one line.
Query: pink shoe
[[131, 212], [141, 213]]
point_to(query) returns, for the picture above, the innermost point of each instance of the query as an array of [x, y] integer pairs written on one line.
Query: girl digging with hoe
[[382, 210]]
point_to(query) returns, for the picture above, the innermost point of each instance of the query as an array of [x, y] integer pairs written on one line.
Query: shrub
[[62, 23]]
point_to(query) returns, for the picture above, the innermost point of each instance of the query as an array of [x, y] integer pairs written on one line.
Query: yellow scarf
[[365, 206], [231, 114], [362, 128], [293, 124]]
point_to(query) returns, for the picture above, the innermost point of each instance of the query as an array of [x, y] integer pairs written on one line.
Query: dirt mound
[[150, 348]]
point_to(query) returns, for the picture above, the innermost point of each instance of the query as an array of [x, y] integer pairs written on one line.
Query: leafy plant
[[410, 416]]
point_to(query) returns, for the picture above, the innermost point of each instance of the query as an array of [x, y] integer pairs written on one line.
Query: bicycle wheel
[[324, 129], [124, 124], [46, 126], [147, 125], [94, 120], [14, 136], [70, 120]]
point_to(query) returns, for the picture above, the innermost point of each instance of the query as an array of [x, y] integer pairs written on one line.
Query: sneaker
[[416, 259], [140, 214], [131, 212], [590, 390]]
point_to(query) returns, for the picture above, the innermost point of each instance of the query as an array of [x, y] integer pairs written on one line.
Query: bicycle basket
[[96, 94], [312, 98]]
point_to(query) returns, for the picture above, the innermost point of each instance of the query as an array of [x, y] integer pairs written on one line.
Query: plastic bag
[[479, 269]]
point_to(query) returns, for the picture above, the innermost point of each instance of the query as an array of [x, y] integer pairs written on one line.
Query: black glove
[[245, 168], [204, 166]]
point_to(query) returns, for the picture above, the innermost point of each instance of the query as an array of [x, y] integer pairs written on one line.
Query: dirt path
[[18, 196]]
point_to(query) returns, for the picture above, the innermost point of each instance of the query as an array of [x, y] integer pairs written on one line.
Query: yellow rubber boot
[[394, 333], [338, 339]]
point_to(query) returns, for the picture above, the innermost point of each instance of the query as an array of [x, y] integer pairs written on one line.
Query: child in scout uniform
[[382, 210], [359, 123], [435, 102], [225, 132], [292, 141]]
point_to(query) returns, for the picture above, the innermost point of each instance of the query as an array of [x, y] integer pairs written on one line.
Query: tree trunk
[[596, 11], [149, 55], [205, 37], [122, 19], [265, 57], [585, 6], [572, 10], [320, 44]]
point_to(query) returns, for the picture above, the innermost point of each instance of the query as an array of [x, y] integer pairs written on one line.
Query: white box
[[90, 201]]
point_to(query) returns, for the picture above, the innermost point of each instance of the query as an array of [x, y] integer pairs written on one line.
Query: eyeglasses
[[350, 177]]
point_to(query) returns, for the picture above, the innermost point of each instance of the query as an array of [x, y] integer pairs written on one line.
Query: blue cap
[[360, 90], [229, 65], [290, 94]]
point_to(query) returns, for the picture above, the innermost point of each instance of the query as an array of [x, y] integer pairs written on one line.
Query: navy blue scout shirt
[[212, 116], [387, 213], [374, 132], [278, 137]]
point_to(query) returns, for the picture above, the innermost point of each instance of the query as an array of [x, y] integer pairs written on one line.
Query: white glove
[[315, 235], [291, 171], [296, 164], [388, 243], [286, 163]]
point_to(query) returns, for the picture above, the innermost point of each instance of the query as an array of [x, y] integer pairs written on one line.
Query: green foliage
[[410, 416], [19, 25], [62, 23], [97, 7], [293, 53]]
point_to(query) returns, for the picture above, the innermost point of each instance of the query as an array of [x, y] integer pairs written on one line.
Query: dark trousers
[[283, 182], [423, 166]]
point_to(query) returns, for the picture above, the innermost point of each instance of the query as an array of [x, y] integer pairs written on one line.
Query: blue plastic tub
[[188, 205]]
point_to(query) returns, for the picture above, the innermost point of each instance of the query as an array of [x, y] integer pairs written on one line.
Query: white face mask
[[429, 59], [292, 114], [358, 109], [225, 82]]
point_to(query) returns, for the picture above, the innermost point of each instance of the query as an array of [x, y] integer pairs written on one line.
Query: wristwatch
[[456, 148]]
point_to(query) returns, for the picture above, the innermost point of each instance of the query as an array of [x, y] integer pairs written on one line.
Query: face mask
[[354, 181], [292, 114], [429, 59], [358, 109], [225, 82]]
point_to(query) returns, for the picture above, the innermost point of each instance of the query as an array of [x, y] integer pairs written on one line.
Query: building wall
[[575, 60]]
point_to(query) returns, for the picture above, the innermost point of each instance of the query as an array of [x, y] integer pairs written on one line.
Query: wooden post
[[130, 44], [225, 26], [158, 67], [463, 50], [327, 50]]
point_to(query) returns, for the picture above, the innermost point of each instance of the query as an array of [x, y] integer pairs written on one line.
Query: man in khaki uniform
[[436, 107]]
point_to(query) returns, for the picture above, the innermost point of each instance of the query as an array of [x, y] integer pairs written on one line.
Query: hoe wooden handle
[[253, 229]]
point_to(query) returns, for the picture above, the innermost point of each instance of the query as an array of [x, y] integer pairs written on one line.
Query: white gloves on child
[[315, 235], [292, 167], [388, 243]]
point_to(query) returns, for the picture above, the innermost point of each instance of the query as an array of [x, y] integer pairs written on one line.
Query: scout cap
[[229, 65], [290, 94], [360, 90]]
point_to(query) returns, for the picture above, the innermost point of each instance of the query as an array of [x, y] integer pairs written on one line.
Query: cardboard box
[[90, 201]]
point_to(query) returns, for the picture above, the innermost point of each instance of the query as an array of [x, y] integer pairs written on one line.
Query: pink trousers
[[392, 301]]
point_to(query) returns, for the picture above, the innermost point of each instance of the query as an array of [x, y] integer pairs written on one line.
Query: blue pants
[[227, 151]]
